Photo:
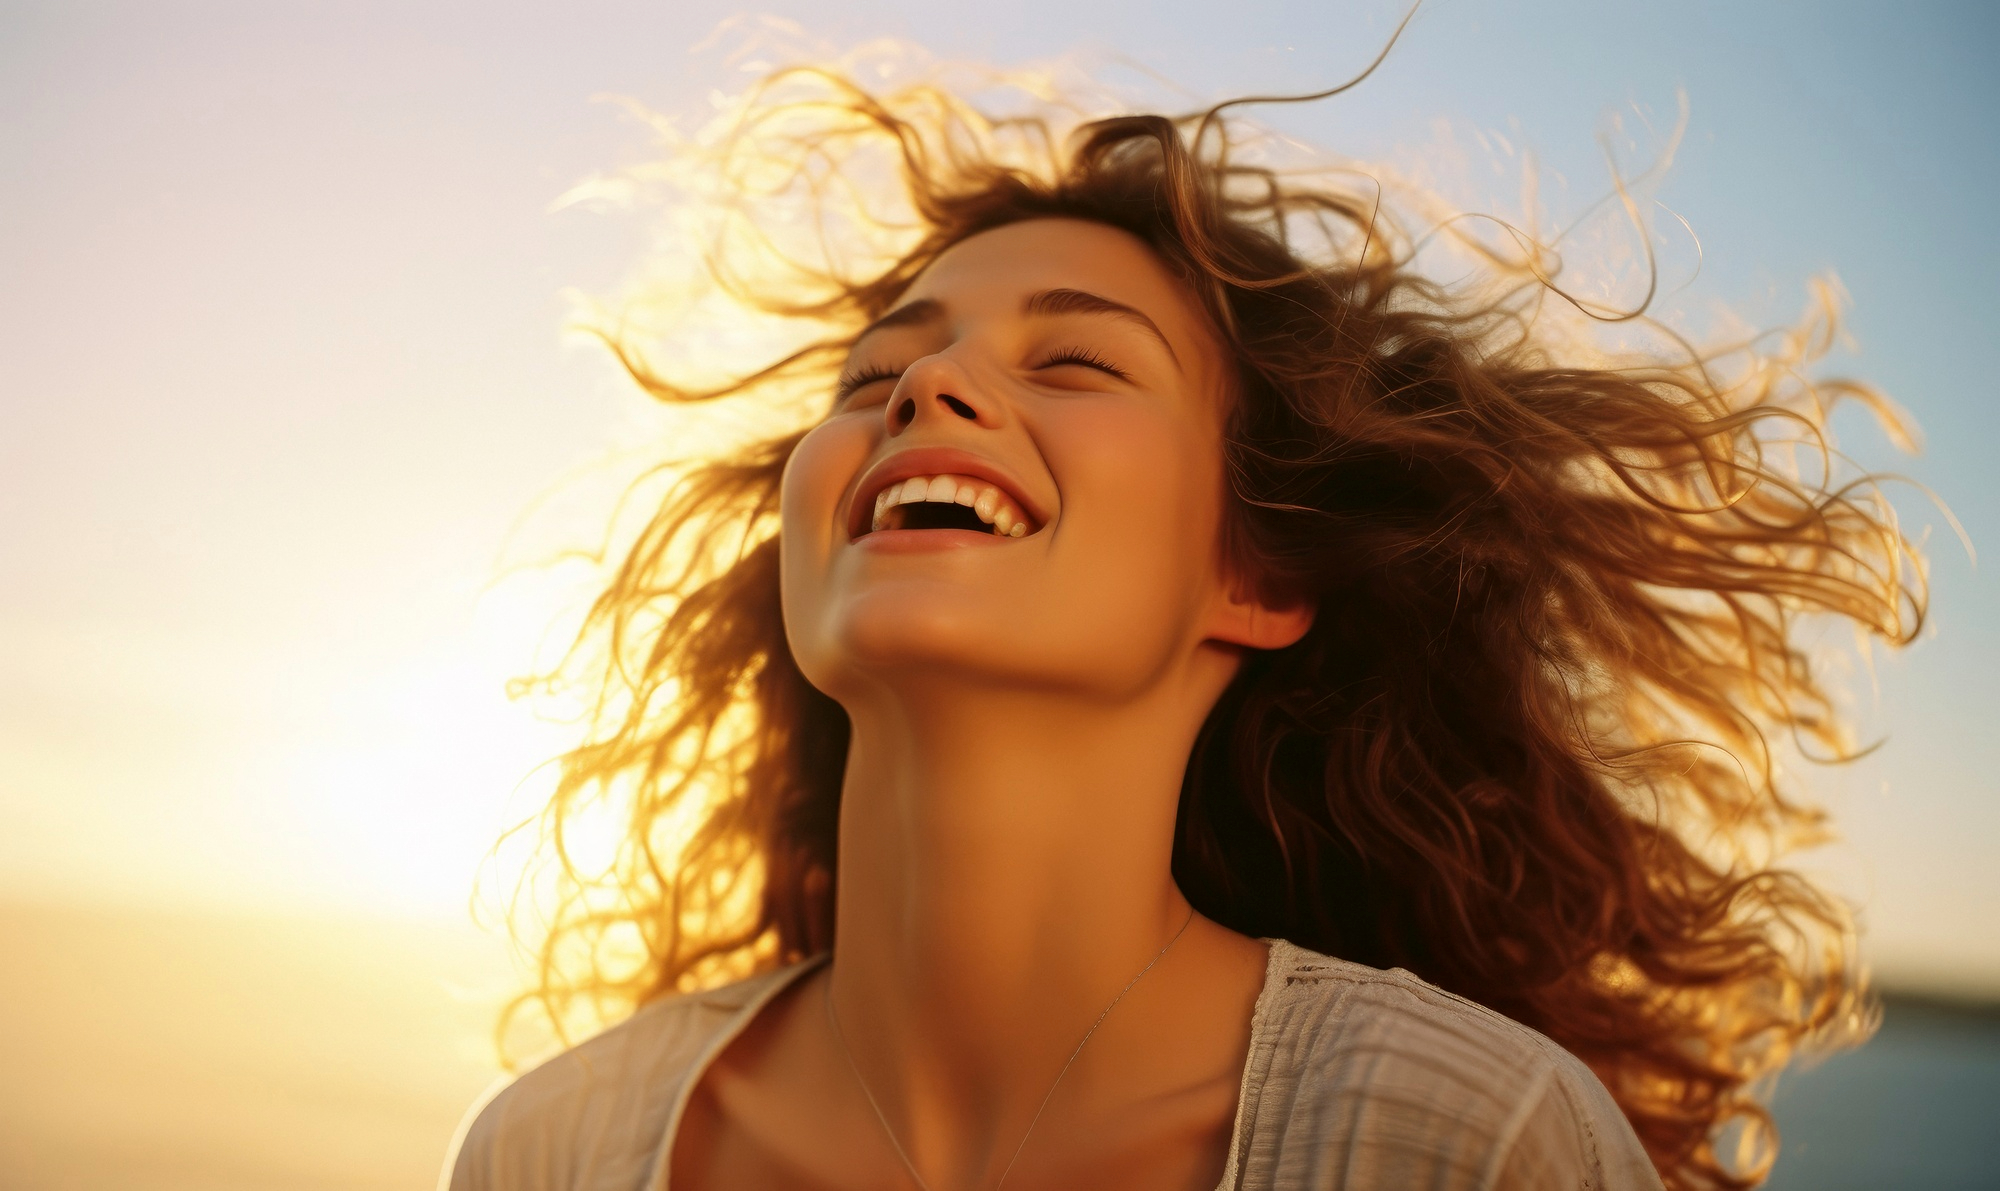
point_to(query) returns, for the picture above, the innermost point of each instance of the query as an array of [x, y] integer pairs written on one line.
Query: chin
[[897, 634], [881, 641]]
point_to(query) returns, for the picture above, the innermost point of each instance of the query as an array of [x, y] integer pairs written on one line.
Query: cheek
[[1136, 565], [826, 460], [819, 471], [1148, 490]]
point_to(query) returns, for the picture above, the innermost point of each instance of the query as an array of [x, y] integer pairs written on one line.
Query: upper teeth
[[994, 507]]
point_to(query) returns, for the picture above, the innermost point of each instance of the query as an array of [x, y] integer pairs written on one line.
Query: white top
[[1357, 1080]]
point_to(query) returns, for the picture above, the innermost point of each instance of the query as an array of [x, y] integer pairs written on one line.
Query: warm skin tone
[[1022, 710]]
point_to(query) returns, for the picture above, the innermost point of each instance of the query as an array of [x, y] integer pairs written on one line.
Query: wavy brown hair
[[1529, 749]]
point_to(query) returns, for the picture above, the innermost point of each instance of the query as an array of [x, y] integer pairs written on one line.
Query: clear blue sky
[[280, 362]]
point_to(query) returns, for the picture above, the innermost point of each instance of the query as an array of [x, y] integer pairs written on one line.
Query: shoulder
[[594, 1116], [1391, 1074], [1328, 1007]]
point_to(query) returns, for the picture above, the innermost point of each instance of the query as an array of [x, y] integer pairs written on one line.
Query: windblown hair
[[1529, 750]]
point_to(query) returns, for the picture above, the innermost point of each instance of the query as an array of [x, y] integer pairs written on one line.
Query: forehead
[[989, 273]]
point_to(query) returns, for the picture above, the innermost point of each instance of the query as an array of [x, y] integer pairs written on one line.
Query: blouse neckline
[[1256, 1060]]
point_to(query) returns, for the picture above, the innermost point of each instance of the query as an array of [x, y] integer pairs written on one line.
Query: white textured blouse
[[1356, 1080]]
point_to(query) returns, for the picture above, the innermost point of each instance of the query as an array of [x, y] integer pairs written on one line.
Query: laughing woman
[[1200, 705]]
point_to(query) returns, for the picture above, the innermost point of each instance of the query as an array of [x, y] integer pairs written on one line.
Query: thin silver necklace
[[833, 1019]]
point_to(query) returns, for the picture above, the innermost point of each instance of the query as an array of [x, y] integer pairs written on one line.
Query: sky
[[284, 373]]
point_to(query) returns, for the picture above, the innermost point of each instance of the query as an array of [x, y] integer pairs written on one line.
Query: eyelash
[[1086, 358], [1080, 356], [867, 376]]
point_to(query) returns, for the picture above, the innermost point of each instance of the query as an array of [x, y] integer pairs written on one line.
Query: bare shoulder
[[1396, 1074], [594, 1116]]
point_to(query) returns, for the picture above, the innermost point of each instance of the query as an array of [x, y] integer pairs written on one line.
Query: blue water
[[1917, 1108]]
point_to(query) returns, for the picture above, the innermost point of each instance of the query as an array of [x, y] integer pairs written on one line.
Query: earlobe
[[1253, 624], [1276, 628]]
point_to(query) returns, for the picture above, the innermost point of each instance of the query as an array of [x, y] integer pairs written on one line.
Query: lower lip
[[907, 541]]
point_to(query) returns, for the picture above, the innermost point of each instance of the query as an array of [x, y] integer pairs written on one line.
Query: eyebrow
[[923, 310], [1076, 301], [1044, 302]]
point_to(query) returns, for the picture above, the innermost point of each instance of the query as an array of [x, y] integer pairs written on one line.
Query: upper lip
[[933, 461]]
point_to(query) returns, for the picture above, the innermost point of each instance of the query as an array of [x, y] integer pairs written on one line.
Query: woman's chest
[[740, 1136]]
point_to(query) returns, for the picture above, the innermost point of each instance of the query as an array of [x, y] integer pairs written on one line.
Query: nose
[[936, 390]]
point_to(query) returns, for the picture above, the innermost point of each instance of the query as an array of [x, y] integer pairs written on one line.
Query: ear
[[1246, 619]]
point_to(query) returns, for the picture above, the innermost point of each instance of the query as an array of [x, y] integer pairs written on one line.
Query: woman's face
[[1021, 481]]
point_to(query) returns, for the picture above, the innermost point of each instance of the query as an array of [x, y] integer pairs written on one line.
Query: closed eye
[[860, 379], [1085, 358]]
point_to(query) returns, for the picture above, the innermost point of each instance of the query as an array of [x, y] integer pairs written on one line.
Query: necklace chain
[[833, 1019]]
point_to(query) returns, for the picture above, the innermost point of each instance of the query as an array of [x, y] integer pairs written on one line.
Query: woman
[[1203, 706]]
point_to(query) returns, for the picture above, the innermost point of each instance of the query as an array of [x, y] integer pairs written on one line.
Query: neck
[[1004, 871]]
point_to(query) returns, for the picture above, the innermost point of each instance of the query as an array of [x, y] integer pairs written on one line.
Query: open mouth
[[949, 502]]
